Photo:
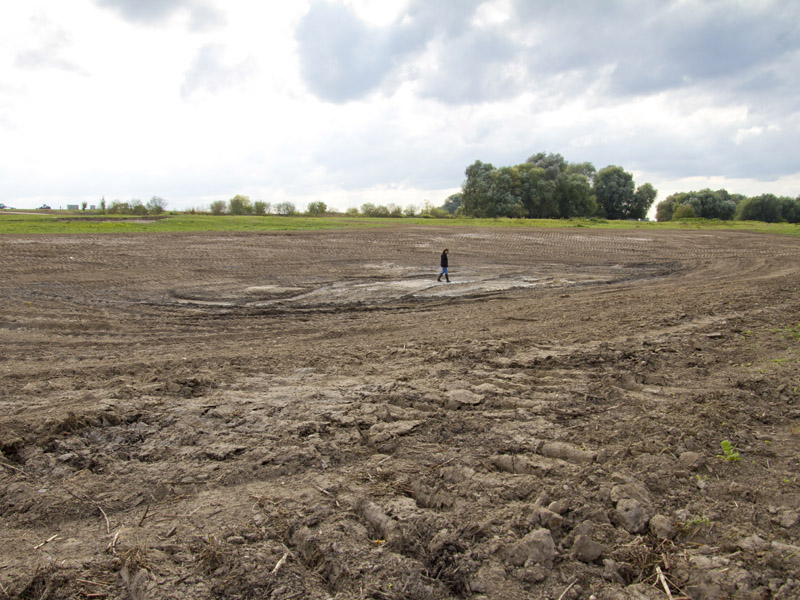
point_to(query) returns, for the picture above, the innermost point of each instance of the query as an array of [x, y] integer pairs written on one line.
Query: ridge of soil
[[311, 415]]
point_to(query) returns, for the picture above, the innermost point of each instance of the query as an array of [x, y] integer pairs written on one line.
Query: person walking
[[443, 262]]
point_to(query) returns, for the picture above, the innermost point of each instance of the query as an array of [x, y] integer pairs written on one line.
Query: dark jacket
[[444, 259]]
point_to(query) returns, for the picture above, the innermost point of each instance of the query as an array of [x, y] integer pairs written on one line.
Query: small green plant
[[729, 452]]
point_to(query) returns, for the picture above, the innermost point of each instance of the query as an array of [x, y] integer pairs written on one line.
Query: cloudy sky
[[388, 101]]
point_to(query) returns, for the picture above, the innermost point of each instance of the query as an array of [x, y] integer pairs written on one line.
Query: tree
[[394, 210], [766, 207], [156, 205], [790, 209], [614, 190], [684, 211], [240, 205], [137, 208], [453, 203], [643, 199], [317, 208], [218, 207], [574, 195], [285, 208], [475, 193], [260, 207], [83, 205], [666, 208], [553, 164], [410, 211]]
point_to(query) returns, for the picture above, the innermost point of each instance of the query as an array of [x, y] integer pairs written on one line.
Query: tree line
[[719, 204], [155, 206], [546, 186]]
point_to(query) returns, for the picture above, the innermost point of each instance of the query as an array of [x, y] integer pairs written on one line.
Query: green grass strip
[[65, 222]]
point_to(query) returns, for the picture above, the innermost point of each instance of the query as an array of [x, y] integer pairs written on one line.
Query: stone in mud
[[585, 549], [535, 548], [662, 527], [692, 460], [457, 398], [631, 515]]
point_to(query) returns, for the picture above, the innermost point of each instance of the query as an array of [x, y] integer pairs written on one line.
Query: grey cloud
[[648, 47], [202, 14], [210, 72], [475, 67], [343, 58]]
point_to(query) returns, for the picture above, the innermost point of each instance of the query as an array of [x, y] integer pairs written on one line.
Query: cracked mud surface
[[311, 415]]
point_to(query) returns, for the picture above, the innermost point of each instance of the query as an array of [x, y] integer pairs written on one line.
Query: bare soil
[[312, 415]]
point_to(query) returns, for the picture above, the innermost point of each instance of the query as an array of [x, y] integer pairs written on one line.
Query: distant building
[[72, 207]]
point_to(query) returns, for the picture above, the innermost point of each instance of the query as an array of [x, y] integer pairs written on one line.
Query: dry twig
[[47, 541], [108, 525], [20, 471], [280, 563], [569, 587], [663, 581], [144, 516]]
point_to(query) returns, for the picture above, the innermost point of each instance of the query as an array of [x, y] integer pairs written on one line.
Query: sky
[[388, 101]]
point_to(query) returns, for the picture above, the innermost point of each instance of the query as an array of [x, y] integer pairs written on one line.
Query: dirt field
[[311, 415]]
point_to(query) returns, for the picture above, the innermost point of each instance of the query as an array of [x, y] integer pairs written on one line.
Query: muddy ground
[[312, 415]]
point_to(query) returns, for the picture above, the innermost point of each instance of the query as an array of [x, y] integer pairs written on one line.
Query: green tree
[[766, 207], [119, 208], [453, 203], [684, 211], [790, 209], [317, 208], [574, 195], [643, 199], [218, 207], [137, 208], [666, 208], [614, 190], [476, 191], [410, 211], [260, 207], [240, 205], [285, 208], [394, 210], [156, 205]]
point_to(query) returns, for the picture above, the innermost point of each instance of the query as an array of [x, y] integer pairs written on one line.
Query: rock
[[692, 460], [558, 506], [662, 527], [631, 515], [535, 548], [488, 579], [235, 539], [488, 388], [788, 518], [458, 398], [611, 571], [752, 543], [547, 518], [586, 549], [632, 489]]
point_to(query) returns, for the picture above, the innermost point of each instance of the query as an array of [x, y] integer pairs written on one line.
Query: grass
[[66, 222]]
